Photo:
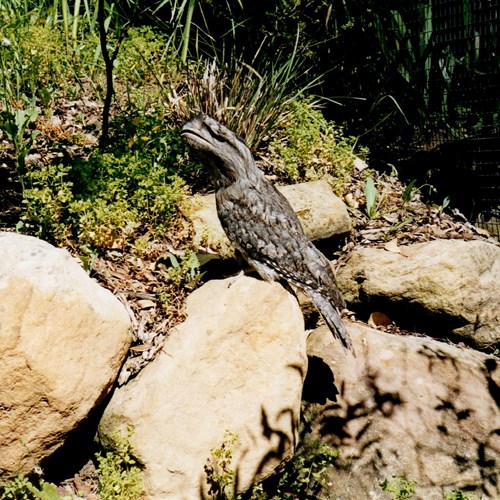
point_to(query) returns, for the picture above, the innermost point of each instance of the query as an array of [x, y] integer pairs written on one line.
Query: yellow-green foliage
[[308, 147], [119, 472], [219, 470], [36, 60], [460, 495], [308, 472], [22, 488], [142, 56], [399, 488], [44, 63], [105, 201], [47, 194], [122, 197], [185, 271]]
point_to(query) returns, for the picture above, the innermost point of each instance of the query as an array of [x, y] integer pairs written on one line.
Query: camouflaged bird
[[261, 224]]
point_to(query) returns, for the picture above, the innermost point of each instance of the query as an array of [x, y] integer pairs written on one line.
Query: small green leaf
[[371, 197], [406, 196], [445, 203]]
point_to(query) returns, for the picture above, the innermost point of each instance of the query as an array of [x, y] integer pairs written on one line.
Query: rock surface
[[320, 211], [406, 406], [443, 287], [63, 339], [236, 365]]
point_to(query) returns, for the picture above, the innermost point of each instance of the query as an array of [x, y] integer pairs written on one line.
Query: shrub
[[45, 64], [308, 472], [303, 477], [106, 200], [459, 495], [46, 198], [219, 470], [122, 197], [399, 487], [143, 57], [23, 488], [119, 472], [36, 61], [250, 99], [308, 147]]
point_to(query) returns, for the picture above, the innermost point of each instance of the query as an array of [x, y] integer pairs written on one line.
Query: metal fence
[[455, 46]]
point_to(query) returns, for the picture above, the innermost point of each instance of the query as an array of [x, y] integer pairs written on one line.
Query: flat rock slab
[[236, 365], [406, 406], [321, 212], [63, 339], [446, 287]]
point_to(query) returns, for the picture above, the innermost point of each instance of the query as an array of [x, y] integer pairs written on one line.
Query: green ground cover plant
[[308, 147], [303, 477], [399, 487], [103, 201], [119, 472], [23, 488]]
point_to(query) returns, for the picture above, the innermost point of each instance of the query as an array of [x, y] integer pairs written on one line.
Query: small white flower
[[6, 41]]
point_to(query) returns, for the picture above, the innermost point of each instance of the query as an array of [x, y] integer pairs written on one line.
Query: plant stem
[[187, 30], [108, 63]]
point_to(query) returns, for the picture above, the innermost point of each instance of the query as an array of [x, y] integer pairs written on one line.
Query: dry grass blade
[[248, 101]]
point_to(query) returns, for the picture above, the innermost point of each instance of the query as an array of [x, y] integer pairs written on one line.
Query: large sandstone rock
[[321, 213], [237, 364], [406, 406], [62, 341], [443, 287]]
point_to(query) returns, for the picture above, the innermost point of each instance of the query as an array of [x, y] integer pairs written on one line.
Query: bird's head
[[224, 152]]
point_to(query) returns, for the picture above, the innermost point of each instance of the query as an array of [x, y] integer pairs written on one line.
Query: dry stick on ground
[[108, 63]]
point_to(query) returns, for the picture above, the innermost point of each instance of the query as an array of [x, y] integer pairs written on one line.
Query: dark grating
[[461, 44]]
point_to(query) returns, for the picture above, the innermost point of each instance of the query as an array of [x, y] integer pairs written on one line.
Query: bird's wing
[[257, 217], [323, 277], [262, 225]]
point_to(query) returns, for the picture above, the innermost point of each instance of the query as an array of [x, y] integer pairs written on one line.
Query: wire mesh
[[458, 57]]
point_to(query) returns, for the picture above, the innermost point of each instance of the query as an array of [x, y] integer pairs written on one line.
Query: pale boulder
[[321, 212], [236, 365], [406, 406], [445, 287], [63, 339]]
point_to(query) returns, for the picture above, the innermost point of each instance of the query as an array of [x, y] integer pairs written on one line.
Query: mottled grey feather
[[261, 224]]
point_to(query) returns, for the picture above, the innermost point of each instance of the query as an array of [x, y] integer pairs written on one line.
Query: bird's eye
[[219, 136]]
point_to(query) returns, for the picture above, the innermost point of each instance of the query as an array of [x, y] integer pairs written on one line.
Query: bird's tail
[[332, 317]]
